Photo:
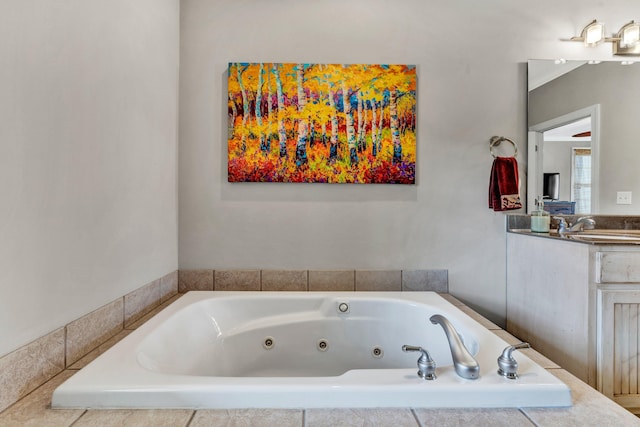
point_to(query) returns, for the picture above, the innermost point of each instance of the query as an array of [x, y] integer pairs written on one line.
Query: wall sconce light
[[628, 40], [592, 35]]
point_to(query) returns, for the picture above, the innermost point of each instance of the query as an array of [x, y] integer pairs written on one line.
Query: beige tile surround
[[313, 280], [590, 407], [28, 367]]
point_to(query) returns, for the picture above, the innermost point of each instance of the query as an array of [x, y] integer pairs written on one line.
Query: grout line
[[190, 420], [65, 347], [78, 419], [123, 312], [415, 416], [528, 417]]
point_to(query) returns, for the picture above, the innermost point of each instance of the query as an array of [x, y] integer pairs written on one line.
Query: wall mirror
[[584, 135]]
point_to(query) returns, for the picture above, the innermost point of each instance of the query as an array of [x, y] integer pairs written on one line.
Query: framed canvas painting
[[327, 123]]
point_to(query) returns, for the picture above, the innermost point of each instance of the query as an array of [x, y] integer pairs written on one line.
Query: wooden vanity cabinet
[[579, 304], [618, 324]]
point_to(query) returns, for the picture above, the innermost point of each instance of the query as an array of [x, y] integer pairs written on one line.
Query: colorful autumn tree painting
[[328, 123]]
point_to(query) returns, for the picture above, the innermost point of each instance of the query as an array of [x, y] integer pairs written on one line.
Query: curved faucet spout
[[584, 223], [464, 363]]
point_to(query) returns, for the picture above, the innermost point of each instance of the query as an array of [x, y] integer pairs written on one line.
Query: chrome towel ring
[[496, 140]]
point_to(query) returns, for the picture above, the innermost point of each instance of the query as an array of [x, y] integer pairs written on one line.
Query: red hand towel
[[504, 187]]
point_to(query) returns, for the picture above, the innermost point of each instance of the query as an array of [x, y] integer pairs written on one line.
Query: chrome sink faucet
[[583, 223], [464, 363]]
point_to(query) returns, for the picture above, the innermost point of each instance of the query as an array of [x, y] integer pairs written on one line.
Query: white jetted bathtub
[[303, 350]]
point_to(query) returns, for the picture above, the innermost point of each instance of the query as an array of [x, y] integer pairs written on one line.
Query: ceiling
[[567, 132]]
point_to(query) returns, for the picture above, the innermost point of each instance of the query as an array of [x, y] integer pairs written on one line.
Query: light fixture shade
[[593, 33], [630, 35], [628, 40]]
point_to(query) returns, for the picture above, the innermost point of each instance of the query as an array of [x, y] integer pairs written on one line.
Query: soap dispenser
[[540, 218]]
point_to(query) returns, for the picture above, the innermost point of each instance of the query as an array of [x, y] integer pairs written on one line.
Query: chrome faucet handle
[[507, 364], [426, 365], [562, 224]]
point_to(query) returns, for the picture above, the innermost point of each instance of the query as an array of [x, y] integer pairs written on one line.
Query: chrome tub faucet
[[464, 363]]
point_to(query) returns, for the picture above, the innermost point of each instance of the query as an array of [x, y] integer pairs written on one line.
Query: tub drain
[[268, 343], [377, 352], [323, 345]]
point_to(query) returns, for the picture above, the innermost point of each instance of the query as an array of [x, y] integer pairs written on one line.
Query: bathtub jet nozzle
[[426, 365], [268, 343]]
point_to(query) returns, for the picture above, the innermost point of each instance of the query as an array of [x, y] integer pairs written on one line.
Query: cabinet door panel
[[618, 338], [618, 267]]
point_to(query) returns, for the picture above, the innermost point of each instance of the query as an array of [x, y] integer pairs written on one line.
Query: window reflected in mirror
[[581, 179]]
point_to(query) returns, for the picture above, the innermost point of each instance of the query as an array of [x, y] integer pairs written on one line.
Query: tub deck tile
[[146, 317], [285, 280], [362, 417], [89, 357], [379, 280], [141, 301], [34, 409], [589, 408], [237, 280], [332, 280], [195, 280], [91, 330], [26, 368], [479, 318], [425, 280], [453, 300], [135, 417], [494, 417], [248, 417], [168, 286]]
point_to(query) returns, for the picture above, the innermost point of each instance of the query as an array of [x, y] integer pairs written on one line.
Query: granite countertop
[[590, 408], [521, 224]]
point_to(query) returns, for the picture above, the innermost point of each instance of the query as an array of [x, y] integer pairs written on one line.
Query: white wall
[[88, 156], [471, 61]]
